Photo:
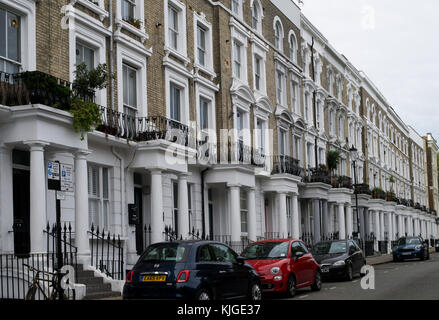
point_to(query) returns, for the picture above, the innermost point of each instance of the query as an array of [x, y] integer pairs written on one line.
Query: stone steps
[[95, 286]]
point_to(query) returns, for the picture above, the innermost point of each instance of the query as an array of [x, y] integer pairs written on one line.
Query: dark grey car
[[339, 259]]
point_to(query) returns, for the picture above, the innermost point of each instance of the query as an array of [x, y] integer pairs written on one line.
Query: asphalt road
[[408, 280]]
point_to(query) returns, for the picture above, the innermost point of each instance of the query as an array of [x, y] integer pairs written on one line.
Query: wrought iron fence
[[383, 246], [286, 164], [106, 253], [318, 175], [68, 251], [341, 182], [330, 236], [363, 189], [308, 239]]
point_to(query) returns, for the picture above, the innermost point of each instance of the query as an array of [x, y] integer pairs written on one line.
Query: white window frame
[[180, 7], [201, 21], [292, 40], [281, 88], [27, 12], [257, 4], [133, 108], [182, 83], [103, 220], [280, 45], [259, 50], [238, 10]]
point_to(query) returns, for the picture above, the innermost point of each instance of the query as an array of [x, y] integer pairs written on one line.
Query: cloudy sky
[[396, 43]]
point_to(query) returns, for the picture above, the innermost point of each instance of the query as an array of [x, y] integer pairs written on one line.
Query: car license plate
[[325, 270], [154, 278], [406, 253]]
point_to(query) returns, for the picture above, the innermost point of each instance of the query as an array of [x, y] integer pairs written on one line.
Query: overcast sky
[[396, 43]]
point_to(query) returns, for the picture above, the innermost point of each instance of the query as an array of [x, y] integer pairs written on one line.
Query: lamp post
[[353, 153]]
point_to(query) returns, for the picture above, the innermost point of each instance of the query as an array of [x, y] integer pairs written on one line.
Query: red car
[[284, 265]]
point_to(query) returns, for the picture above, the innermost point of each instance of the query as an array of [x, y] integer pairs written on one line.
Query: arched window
[[278, 34], [257, 15], [293, 47]]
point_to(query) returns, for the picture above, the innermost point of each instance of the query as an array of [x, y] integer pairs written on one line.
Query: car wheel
[[395, 259], [349, 273], [291, 286], [255, 292], [317, 286], [203, 295]]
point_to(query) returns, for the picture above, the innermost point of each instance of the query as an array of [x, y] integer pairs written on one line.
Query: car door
[[354, 256], [299, 265], [207, 269], [309, 263], [227, 278]]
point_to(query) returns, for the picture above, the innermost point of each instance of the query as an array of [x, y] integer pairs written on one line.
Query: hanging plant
[[86, 116]]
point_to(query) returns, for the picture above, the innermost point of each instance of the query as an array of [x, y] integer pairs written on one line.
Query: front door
[[138, 203], [21, 201]]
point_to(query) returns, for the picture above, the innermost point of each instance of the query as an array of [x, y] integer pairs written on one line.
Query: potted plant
[[135, 22], [333, 159]]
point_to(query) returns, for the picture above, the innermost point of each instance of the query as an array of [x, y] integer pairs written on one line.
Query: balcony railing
[[318, 175], [285, 164], [341, 182], [362, 189], [241, 153], [35, 87]]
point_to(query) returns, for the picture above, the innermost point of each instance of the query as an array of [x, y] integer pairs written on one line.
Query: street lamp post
[[353, 152]]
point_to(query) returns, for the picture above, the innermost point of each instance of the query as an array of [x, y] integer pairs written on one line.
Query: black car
[[191, 270], [339, 259]]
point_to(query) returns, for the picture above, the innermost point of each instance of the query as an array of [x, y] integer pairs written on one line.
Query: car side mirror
[[299, 254], [241, 260]]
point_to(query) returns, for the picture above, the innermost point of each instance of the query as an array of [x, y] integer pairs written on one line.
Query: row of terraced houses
[[223, 120]]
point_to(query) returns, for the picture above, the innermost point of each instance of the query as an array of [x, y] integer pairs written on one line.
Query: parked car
[[339, 259], [411, 248], [191, 270], [283, 265]]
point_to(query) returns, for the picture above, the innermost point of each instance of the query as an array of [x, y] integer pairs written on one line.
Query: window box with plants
[[378, 193]]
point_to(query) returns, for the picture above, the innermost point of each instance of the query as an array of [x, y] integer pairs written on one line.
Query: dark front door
[[21, 227], [138, 204]]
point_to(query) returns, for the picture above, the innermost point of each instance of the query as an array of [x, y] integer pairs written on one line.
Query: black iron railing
[[331, 236], [285, 164], [308, 239], [383, 246], [162, 128], [363, 189], [106, 253], [68, 251], [318, 176], [35, 87], [341, 182], [240, 153]]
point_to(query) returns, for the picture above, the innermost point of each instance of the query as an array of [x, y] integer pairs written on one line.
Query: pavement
[[408, 280]]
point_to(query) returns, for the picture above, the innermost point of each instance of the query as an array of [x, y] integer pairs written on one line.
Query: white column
[[377, 224], [390, 222], [296, 219], [157, 225], [6, 200], [183, 207], [381, 214], [251, 219], [38, 219], [349, 221], [325, 225], [81, 205], [341, 221], [235, 212], [400, 227], [282, 214], [317, 230]]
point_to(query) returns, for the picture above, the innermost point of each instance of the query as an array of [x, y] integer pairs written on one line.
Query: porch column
[[349, 221], [362, 212], [235, 212], [156, 206], [183, 207], [389, 221], [316, 208], [381, 214], [377, 224], [296, 219], [341, 221], [251, 219], [400, 229], [283, 221], [325, 217], [81, 204], [6, 200], [38, 219]]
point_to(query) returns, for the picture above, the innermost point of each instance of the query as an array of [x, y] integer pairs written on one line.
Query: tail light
[[129, 278], [183, 276]]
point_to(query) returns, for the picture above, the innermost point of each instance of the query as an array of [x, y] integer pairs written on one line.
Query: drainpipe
[[122, 189], [111, 55], [203, 206]]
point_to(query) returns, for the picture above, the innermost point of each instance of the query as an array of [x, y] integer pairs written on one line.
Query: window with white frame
[[283, 147], [280, 86], [257, 15], [237, 7], [98, 196], [175, 206], [10, 38], [203, 42], [201, 45], [307, 106], [260, 126], [341, 127], [173, 27], [295, 95], [258, 73], [85, 54], [204, 113], [278, 35], [240, 125], [175, 102], [128, 9], [244, 212], [129, 90], [293, 48], [237, 59], [331, 122], [190, 207]]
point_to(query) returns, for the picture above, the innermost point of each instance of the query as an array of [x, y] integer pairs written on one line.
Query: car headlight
[[275, 270], [278, 278], [418, 247], [339, 263]]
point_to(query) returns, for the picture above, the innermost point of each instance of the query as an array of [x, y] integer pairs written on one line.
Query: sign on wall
[[67, 178]]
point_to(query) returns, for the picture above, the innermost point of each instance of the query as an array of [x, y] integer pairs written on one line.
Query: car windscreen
[[330, 248], [266, 251], [166, 252], [409, 241]]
